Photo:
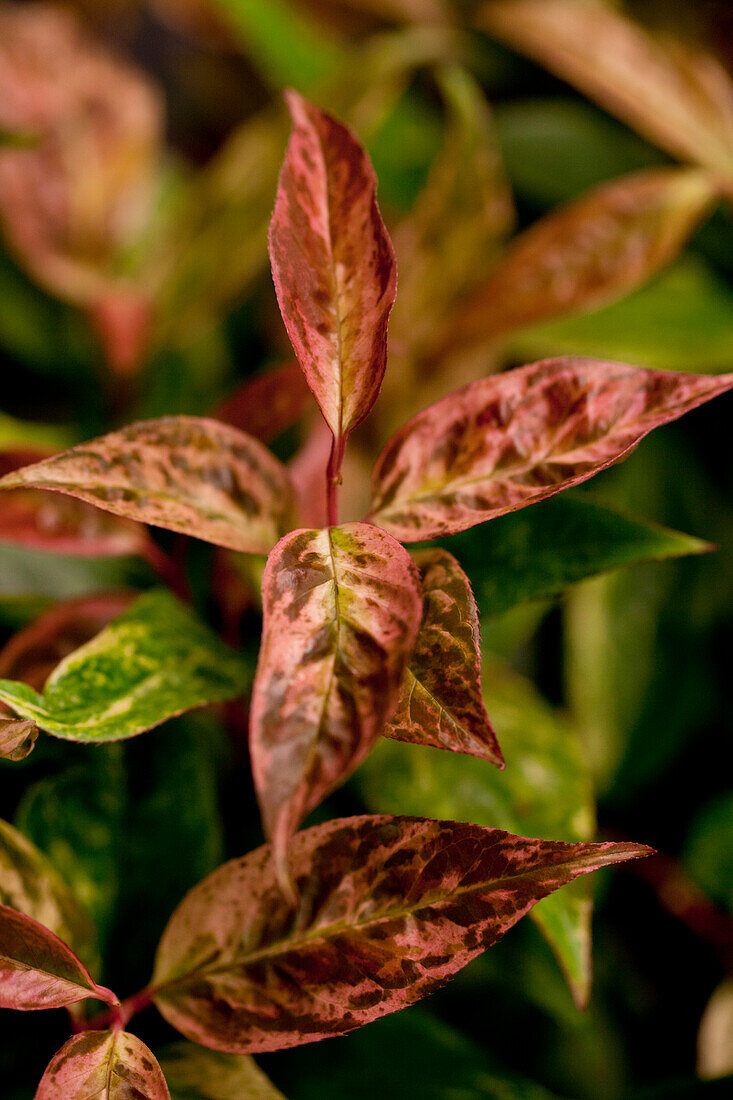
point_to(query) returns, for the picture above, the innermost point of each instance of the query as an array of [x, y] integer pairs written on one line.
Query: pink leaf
[[38, 970], [268, 403], [307, 473], [333, 266], [103, 1065], [441, 702], [342, 608], [390, 909], [33, 518], [503, 442], [186, 473]]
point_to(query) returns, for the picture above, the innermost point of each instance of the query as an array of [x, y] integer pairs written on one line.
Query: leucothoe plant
[[325, 929]]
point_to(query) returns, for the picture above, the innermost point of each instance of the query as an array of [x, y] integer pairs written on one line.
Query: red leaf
[[267, 404], [307, 471], [391, 907], [34, 518], [441, 702], [342, 608], [333, 266], [38, 970], [503, 442], [103, 1065], [185, 473]]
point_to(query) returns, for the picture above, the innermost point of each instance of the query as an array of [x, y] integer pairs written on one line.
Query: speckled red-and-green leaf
[[441, 702], [38, 970], [186, 473], [390, 908], [507, 441], [342, 607], [103, 1065], [333, 265], [588, 253]]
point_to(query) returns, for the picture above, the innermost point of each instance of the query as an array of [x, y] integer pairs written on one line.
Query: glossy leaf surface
[[103, 1065], [189, 474], [507, 441], [155, 661], [30, 884], [342, 607], [537, 553], [333, 266], [390, 908], [441, 703], [545, 791], [195, 1073], [38, 970], [18, 738], [671, 91], [588, 253]]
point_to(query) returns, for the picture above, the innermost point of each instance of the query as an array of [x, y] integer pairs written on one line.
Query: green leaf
[[28, 573], [152, 663], [538, 552], [31, 884], [286, 46], [708, 852], [683, 320], [76, 818], [544, 792], [195, 1073]]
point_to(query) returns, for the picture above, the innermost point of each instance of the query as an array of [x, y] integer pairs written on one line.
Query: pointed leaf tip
[[504, 442], [333, 265], [111, 1065]]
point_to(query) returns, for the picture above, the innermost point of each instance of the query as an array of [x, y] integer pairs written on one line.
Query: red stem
[[333, 480], [118, 1016]]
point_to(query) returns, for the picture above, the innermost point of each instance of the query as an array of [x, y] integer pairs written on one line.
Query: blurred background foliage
[[141, 141]]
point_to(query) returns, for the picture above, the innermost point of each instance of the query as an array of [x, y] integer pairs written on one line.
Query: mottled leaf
[[30, 884], [268, 403], [441, 703], [185, 473], [671, 91], [38, 970], [194, 1073], [17, 738], [390, 908], [333, 266], [342, 608], [545, 791], [54, 523], [504, 442], [537, 553], [588, 253], [103, 1065], [155, 661]]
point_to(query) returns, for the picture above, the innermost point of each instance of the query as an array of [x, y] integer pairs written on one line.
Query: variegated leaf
[[30, 884], [507, 441], [18, 737], [103, 1065], [333, 266], [195, 1073], [441, 703], [670, 90], [268, 403], [38, 970], [588, 253], [391, 907], [342, 608], [155, 661], [186, 473]]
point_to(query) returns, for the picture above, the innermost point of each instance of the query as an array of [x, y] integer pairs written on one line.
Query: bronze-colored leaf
[[441, 703], [507, 441], [18, 737], [186, 473], [390, 908], [342, 608], [103, 1065]]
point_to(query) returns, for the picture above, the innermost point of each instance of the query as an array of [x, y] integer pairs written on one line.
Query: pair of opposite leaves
[[343, 606], [390, 908]]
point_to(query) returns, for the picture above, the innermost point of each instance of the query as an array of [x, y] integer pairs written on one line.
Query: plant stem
[[118, 1016], [333, 480]]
